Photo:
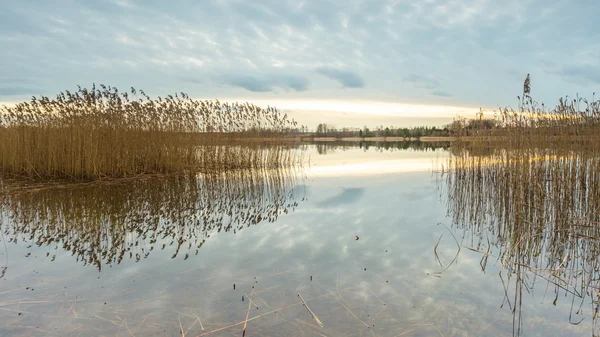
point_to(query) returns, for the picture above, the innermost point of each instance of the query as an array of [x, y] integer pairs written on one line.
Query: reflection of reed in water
[[105, 223], [538, 212]]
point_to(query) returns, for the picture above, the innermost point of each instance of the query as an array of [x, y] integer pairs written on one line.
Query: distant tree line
[[325, 130], [459, 127]]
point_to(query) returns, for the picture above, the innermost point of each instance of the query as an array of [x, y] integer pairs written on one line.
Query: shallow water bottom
[[358, 249]]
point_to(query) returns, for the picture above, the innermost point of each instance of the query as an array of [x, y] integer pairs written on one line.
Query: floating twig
[[131, 333], [251, 301], [181, 327], [268, 313], [199, 321], [311, 312], [247, 313]]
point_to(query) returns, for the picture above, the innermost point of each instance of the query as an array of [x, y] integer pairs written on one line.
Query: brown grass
[[533, 124], [102, 132], [536, 211]]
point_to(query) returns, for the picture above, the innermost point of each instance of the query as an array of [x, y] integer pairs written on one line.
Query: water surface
[[365, 236]]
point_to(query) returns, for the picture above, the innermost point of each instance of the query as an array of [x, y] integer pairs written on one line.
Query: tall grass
[[525, 187], [535, 210], [104, 223], [102, 132], [571, 120]]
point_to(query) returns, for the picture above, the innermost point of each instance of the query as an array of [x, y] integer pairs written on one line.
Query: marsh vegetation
[[571, 120], [105, 133], [523, 187], [534, 212]]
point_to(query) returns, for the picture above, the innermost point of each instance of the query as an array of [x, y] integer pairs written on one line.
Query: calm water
[[364, 236]]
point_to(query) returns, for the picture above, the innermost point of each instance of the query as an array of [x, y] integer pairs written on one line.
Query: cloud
[[583, 74], [18, 91], [266, 83], [346, 196], [347, 78], [407, 52], [441, 93], [427, 82], [421, 81]]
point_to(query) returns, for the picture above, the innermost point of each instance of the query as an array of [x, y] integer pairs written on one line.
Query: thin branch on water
[[247, 313], [311, 312], [458, 245]]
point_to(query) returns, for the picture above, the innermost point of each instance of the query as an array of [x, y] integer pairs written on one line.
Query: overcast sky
[[336, 61]]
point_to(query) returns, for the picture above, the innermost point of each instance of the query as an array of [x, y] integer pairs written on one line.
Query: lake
[[384, 241]]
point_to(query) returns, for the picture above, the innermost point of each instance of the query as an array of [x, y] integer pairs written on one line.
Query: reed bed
[[535, 210], [570, 121], [104, 223], [103, 132]]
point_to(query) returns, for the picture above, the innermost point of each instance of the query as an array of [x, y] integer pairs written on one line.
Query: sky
[[346, 62]]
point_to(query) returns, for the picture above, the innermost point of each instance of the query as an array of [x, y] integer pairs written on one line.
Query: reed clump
[[571, 120], [536, 211], [102, 132]]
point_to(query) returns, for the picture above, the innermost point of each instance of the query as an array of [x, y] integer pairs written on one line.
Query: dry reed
[[571, 120], [102, 132], [536, 210], [311, 312]]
